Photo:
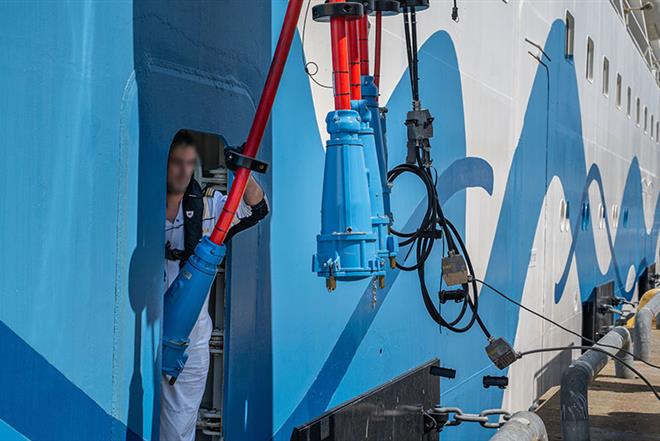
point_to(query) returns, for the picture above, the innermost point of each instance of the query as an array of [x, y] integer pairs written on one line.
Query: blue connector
[[388, 245], [184, 300], [379, 221], [346, 247]]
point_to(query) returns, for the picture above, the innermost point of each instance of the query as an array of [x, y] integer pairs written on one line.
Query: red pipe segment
[[379, 42], [340, 62], [364, 44], [354, 58], [260, 119]]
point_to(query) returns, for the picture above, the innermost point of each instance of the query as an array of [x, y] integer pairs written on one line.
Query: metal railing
[[642, 334], [575, 382], [635, 24]]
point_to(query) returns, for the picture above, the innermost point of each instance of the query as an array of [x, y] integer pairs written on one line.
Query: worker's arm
[[252, 209], [253, 193]]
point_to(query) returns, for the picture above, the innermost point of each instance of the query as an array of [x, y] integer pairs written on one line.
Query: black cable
[[531, 311], [413, 20], [433, 225], [474, 303], [409, 52], [454, 12], [310, 63], [592, 348]]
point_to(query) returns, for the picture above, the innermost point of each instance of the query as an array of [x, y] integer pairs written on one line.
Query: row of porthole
[[564, 213], [570, 37]]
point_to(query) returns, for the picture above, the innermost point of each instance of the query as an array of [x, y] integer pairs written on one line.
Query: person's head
[[181, 162]]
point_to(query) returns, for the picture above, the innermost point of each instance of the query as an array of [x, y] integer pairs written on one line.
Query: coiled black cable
[[433, 226]]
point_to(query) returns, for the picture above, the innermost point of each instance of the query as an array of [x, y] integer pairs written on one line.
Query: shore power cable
[[457, 268], [563, 328]]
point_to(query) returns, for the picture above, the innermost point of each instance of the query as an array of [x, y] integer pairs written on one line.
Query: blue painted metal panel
[[92, 94], [67, 88], [7, 433]]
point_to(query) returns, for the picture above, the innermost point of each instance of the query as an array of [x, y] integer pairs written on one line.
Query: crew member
[[192, 213]]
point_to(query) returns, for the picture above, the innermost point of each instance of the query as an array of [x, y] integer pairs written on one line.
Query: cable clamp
[[457, 295], [235, 159]]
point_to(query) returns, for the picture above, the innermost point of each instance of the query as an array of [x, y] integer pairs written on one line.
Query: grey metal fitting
[[522, 426], [643, 321], [574, 405]]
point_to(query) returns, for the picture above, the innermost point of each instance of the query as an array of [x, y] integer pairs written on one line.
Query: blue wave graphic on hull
[[552, 130]]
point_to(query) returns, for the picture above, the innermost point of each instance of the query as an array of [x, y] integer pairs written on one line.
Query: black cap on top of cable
[[368, 6], [323, 12], [386, 7], [413, 5]]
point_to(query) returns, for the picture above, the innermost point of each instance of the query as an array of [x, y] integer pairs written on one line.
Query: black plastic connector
[[386, 7], [443, 372], [454, 270], [420, 131], [457, 295], [325, 11], [500, 382], [501, 353], [234, 159], [416, 5]]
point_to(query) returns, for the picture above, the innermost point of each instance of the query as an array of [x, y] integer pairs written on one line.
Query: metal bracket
[[420, 130], [401, 408], [234, 160], [490, 381]]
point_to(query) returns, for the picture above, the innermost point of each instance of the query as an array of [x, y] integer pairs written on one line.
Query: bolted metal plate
[[390, 412]]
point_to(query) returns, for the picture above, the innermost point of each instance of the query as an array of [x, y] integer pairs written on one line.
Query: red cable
[[379, 41], [364, 45], [354, 58], [260, 119], [340, 62]]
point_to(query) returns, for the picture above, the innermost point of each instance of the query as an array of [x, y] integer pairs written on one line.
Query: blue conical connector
[[388, 245], [347, 245]]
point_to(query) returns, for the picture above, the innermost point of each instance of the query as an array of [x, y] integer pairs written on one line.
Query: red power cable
[[379, 41], [354, 58], [340, 62], [364, 44], [260, 119]]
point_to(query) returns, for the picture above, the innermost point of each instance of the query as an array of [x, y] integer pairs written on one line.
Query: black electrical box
[[648, 279], [597, 319], [390, 412]]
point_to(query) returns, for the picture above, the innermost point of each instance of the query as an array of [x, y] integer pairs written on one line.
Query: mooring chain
[[482, 418]]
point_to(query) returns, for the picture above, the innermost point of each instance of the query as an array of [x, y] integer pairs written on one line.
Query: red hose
[[379, 42], [340, 62], [364, 45], [260, 119], [354, 58]]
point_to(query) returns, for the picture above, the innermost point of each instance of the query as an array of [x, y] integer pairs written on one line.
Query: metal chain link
[[482, 418]]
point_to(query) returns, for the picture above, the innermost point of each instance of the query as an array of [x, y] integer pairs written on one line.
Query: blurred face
[[180, 168]]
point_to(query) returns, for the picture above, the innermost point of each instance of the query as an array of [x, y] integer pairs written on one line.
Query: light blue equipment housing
[[379, 221], [346, 247], [377, 123], [184, 300]]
